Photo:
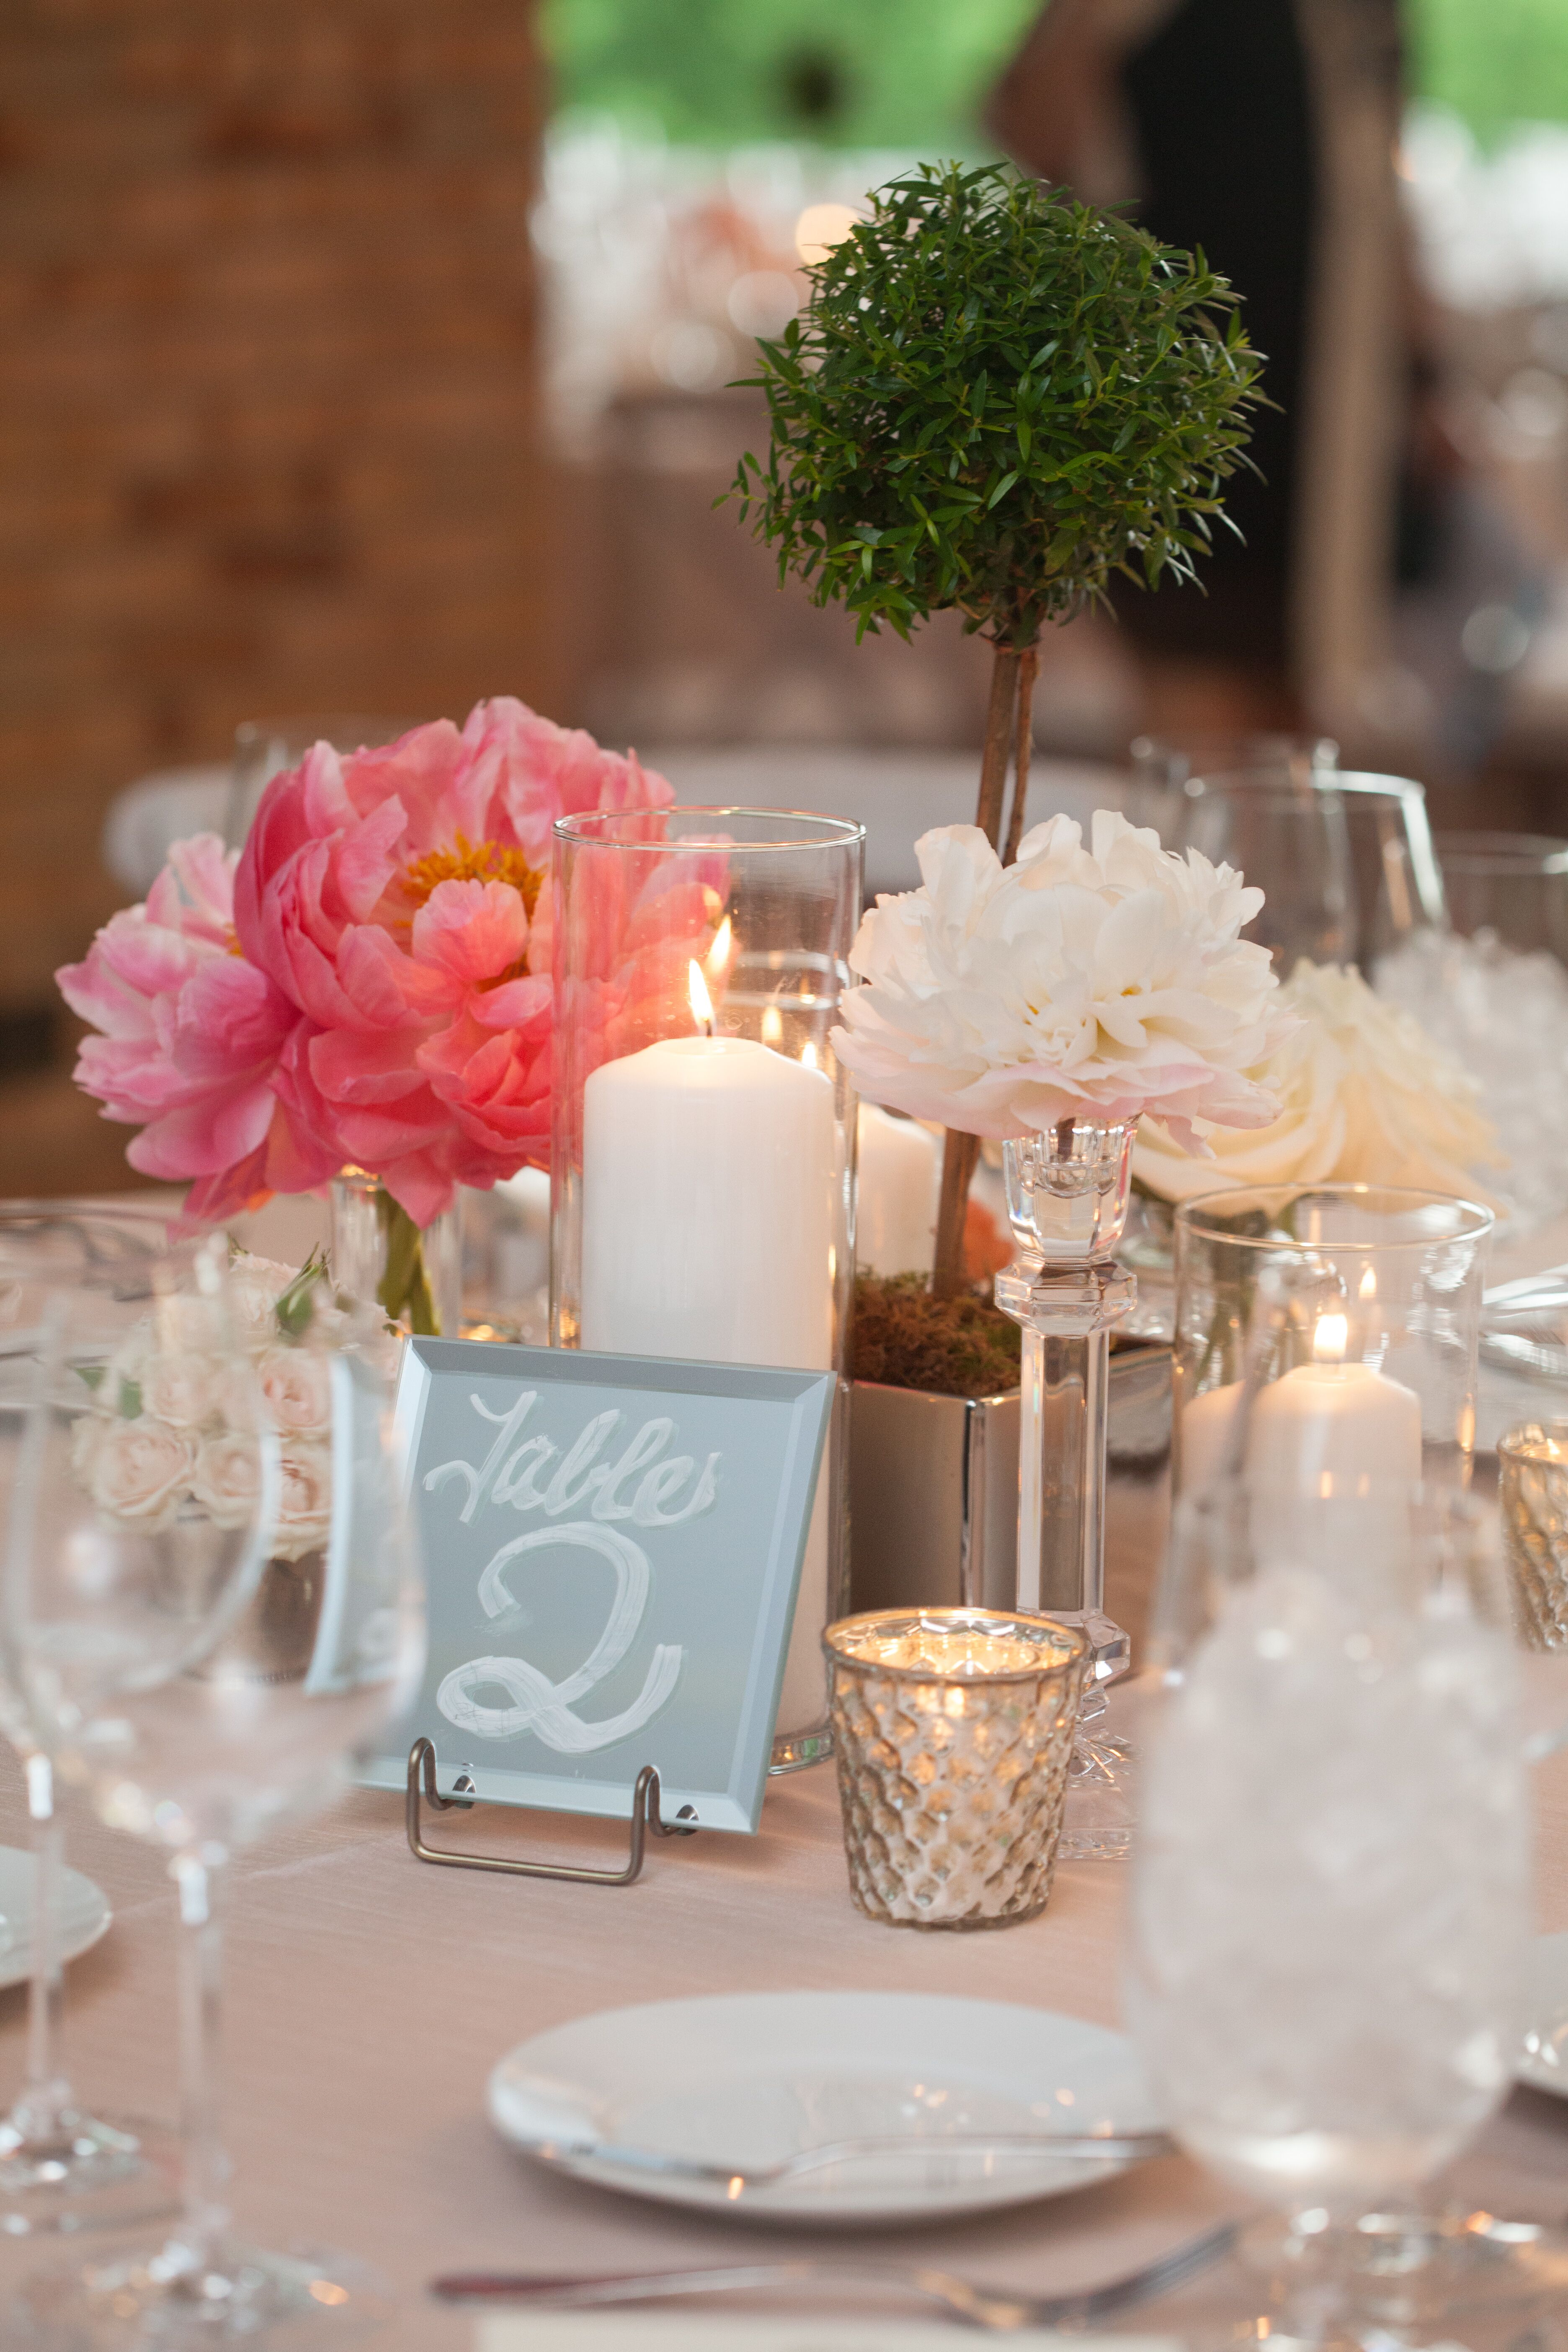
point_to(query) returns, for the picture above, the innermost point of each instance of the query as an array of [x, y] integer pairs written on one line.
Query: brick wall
[[266, 436]]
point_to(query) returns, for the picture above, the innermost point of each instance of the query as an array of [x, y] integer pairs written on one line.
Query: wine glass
[[1330, 1889], [265, 748], [1514, 885], [1398, 881], [257, 1716], [61, 2167], [1288, 837], [1164, 762]]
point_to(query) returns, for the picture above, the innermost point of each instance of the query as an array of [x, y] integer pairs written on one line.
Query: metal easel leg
[[644, 1816]]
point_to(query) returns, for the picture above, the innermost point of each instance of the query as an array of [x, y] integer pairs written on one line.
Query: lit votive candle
[[952, 1729]]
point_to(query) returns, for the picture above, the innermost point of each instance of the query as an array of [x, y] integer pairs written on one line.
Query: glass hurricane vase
[[1067, 1203], [703, 1136]]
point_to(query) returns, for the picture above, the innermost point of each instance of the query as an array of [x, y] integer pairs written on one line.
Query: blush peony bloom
[[1363, 1097], [192, 1037], [395, 898], [1095, 984]]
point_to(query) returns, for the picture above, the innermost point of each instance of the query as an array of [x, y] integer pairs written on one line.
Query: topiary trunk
[[1009, 728]]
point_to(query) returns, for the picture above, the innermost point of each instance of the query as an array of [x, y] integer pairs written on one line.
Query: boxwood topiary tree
[[994, 399]]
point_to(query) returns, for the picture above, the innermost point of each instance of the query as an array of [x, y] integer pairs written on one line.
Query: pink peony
[[192, 1036], [396, 897], [367, 984]]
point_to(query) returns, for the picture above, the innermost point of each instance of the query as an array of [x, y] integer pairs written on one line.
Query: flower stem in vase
[[412, 1271], [405, 1285]]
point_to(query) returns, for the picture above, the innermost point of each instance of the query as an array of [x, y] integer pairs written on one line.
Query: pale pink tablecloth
[[370, 1995]]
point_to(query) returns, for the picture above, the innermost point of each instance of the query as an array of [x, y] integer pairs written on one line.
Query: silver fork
[[1103, 2147], [985, 2307]]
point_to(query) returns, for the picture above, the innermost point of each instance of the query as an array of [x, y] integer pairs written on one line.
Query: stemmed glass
[[198, 1725], [1330, 1892], [61, 2168]]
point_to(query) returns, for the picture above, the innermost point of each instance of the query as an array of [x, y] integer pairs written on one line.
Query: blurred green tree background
[[910, 74]]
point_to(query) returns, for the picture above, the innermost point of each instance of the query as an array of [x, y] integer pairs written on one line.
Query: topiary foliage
[[994, 399]]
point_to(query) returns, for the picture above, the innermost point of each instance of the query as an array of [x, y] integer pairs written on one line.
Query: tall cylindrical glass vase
[[703, 1144]]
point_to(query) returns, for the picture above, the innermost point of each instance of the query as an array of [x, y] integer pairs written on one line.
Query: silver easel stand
[[644, 1816]]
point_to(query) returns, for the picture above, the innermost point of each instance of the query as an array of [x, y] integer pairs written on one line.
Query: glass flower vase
[[414, 1272], [1067, 1204]]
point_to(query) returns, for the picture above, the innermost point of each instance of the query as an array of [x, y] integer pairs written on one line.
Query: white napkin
[[640, 2330]]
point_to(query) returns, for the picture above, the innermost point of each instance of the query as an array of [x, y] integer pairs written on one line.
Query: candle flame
[[1368, 1283], [808, 1055], [1329, 1338], [701, 1003], [719, 953], [773, 1025]]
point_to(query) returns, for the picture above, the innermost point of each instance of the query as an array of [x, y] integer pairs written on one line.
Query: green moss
[[948, 1347]]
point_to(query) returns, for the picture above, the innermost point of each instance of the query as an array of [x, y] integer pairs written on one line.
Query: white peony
[[137, 1470], [1364, 1095], [1099, 983]]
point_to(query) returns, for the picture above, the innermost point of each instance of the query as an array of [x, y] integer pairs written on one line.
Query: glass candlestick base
[[1067, 1203]]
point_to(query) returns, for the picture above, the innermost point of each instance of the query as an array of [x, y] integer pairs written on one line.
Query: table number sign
[[613, 1548]]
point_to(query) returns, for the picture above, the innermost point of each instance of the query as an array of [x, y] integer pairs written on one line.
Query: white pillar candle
[[708, 1231], [1338, 1432], [1205, 1430], [896, 1193]]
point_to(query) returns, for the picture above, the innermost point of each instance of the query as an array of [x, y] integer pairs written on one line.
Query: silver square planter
[[933, 1484]]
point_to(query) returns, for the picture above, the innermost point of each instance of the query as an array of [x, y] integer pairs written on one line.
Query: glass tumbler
[[953, 1729], [1371, 1375], [703, 1133]]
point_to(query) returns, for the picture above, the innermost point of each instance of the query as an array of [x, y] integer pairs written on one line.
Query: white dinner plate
[[1544, 2065], [84, 1916], [747, 2078]]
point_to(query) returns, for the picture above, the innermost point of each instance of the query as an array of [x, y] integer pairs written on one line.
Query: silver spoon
[[1104, 2148], [987, 2307]]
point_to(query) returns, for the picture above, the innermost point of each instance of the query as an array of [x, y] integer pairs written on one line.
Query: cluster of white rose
[[173, 1421], [1364, 1097]]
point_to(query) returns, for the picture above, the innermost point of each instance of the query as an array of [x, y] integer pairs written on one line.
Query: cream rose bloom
[[305, 1503], [297, 1385], [227, 1478], [1098, 984], [139, 1470], [1365, 1097], [181, 1386]]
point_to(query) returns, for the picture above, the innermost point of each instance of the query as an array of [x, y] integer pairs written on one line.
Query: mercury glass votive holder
[[1532, 1484], [952, 1729]]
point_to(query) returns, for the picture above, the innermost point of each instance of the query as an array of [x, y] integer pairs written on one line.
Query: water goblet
[[1330, 1889], [63, 2168], [259, 1720]]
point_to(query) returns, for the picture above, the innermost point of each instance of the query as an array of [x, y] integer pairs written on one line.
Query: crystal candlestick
[[1067, 1203]]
